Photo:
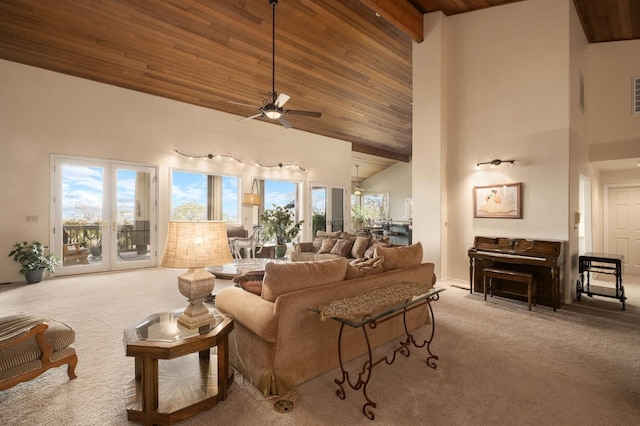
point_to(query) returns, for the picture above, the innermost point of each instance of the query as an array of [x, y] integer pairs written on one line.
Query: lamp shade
[[251, 199], [196, 245]]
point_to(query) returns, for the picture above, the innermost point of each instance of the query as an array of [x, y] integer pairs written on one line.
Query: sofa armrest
[[250, 310], [305, 247]]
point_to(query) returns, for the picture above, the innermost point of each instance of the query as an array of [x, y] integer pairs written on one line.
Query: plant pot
[[281, 251], [96, 251], [35, 276]]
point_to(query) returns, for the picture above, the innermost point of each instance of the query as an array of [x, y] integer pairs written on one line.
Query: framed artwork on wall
[[498, 201]]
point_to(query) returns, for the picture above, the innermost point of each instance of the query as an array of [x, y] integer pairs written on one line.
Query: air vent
[[636, 95], [581, 101]]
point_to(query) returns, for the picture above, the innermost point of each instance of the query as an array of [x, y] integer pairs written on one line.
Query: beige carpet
[[499, 363]]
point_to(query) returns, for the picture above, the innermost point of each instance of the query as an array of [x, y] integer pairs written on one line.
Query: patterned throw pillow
[[342, 247], [327, 245], [250, 281]]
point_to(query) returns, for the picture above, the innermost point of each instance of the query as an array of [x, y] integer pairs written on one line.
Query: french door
[[327, 208], [104, 215]]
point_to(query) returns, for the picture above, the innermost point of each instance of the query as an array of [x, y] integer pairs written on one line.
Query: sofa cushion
[[399, 257], [370, 251], [327, 245], [360, 245], [342, 247], [364, 267], [281, 278]]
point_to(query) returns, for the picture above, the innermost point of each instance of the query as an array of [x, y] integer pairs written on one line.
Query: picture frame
[[501, 201]]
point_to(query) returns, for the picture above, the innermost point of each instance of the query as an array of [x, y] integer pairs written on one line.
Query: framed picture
[[498, 201]]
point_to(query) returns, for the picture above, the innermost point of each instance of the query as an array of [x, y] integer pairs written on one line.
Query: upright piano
[[544, 259]]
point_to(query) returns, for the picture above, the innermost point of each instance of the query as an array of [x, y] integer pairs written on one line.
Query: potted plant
[[33, 260], [278, 222]]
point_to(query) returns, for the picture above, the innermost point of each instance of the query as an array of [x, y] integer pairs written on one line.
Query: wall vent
[[581, 93], [636, 95]]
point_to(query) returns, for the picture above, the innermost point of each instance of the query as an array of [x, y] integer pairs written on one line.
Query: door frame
[[346, 202], [109, 193]]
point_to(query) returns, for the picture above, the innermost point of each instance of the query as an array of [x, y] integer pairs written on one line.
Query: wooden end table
[[182, 384]]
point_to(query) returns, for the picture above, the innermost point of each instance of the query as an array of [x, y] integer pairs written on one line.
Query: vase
[[281, 250], [34, 276]]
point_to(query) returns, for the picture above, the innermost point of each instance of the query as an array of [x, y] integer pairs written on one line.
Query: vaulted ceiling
[[348, 59]]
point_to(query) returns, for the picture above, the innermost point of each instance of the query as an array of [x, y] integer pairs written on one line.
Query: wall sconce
[[495, 163], [253, 198]]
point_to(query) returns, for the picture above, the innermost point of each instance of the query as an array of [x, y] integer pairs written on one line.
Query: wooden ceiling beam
[[366, 149], [401, 14]]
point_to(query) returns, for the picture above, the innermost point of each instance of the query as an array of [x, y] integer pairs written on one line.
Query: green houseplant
[[279, 222], [33, 260]]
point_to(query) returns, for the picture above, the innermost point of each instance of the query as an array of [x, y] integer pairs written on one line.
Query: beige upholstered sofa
[[331, 245], [279, 343], [31, 345]]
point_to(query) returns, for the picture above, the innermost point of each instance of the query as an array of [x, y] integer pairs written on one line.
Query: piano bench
[[514, 276]]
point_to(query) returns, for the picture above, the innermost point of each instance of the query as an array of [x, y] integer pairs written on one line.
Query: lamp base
[[196, 285]]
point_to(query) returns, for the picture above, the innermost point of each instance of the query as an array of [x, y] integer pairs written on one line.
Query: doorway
[[622, 231], [104, 215]]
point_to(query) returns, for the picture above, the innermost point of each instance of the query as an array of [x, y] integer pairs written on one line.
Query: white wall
[[396, 180], [43, 112], [508, 98]]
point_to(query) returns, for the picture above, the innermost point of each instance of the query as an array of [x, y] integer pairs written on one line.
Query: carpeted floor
[[499, 363]]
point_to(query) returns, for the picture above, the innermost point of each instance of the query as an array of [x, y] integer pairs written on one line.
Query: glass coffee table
[[174, 373]]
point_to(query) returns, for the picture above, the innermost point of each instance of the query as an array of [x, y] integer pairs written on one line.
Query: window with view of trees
[[199, 196]]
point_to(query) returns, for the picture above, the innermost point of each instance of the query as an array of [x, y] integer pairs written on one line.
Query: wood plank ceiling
[[348, 59]]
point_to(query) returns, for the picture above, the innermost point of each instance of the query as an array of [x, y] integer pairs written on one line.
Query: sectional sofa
[[278, 342]]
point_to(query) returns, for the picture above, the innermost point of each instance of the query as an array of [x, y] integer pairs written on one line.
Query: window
[[199, 196]]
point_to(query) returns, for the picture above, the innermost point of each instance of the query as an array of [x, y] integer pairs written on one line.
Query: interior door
[[103, 215], [623, 228]]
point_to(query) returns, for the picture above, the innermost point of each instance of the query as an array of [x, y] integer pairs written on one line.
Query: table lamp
[[193, 246]]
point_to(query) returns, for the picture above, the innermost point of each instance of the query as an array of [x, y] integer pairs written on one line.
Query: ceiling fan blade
[[250, 118], [285, 123], [282, 99], [242, 103], [306, 113]]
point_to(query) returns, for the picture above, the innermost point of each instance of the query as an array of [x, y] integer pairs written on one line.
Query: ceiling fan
[[357, 190], [273, 106]]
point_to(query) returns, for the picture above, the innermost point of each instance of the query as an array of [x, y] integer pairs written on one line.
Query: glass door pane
[[337, 209], [133, 217], [80, 214], [318, 209], [327, 208]]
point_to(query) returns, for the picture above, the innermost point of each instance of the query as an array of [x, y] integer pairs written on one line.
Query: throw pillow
[[342, 247], [367, 267], [370, 251], [399, 257], [347, 236], [327, 245], [360, 246], [281, 278], [321, 236], [250, 281]]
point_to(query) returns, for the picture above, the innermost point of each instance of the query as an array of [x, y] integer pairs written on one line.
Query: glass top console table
[[182, 383], [365, 310]]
